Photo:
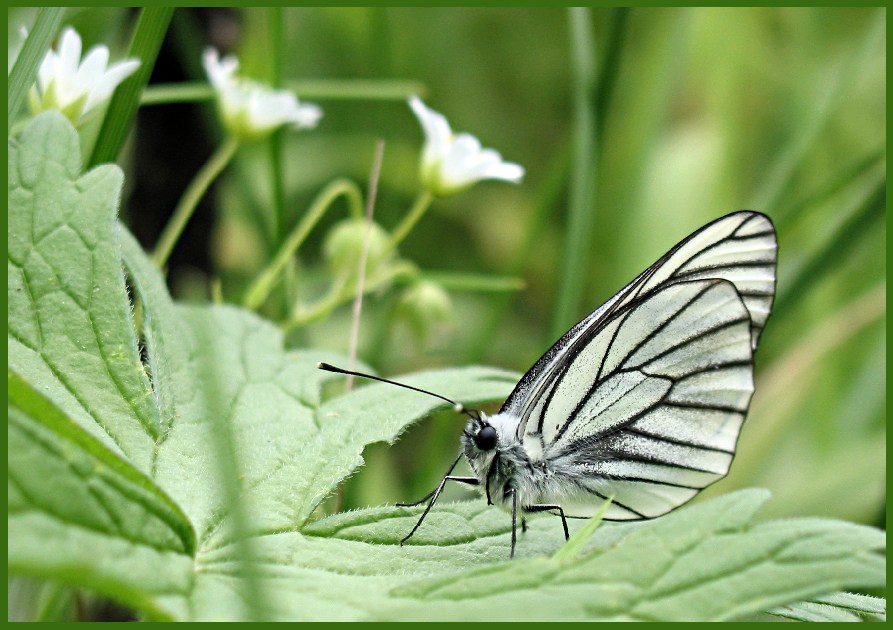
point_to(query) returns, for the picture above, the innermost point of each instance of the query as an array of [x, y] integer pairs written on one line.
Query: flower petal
[[438, 134], [251, 109], [450, 163], [308, 115], [507, 171], [110, 80], [271, 109], [69, 53], [47, 70], [92, 66], [72, 86], [220, 73]]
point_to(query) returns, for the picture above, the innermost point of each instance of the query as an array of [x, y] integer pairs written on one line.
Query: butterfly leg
[[514, 494], [471, 481], [546, 508], [431, 494]]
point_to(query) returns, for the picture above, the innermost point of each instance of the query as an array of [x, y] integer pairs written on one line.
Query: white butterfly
[[643, 400]]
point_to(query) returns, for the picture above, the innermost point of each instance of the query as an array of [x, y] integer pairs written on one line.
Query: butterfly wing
[[643, 400]]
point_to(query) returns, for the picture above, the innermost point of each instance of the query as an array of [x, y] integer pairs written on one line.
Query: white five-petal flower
[[76, 87], [453, 162], [250, 109]]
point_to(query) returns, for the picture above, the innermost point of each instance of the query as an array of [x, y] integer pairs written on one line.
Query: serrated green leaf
[[69, 315], [232, 428], [94, 501], [835, 607]]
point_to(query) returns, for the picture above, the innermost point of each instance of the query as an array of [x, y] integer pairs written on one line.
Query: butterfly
[[641, 402]]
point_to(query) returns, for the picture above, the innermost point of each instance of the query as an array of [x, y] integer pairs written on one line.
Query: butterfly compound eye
[[486, 438]]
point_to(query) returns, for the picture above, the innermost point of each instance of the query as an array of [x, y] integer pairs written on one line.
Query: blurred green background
[[635, 126]]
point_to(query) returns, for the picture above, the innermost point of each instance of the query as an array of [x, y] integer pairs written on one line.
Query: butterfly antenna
[[459, 407]]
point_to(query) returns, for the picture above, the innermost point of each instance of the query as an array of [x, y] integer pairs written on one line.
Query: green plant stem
[[148, 36], [191, 197], [422, 202], [610, 69], [475, 282], [278, 54], [260, 289], [310, 89], [582, 185], [338, 292], [341, 292], [24, 70], [822, 263], [831, 92]]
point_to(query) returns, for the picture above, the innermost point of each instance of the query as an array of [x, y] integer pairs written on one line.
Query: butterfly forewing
[[739, 247], [643, 400]]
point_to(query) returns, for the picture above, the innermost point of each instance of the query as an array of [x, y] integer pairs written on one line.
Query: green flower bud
[[426, 307], [343, 247]]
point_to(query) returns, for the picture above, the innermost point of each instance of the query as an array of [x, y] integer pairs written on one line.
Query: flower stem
[[339, 292], [260, 289], [418, 209], [581, 193], [342, 291], [189, 201]]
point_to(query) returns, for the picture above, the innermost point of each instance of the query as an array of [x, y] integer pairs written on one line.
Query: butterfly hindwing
[[662, 422]]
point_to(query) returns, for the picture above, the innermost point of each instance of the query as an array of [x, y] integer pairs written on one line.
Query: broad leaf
[[173, 457], [835, 607], [69, 497]]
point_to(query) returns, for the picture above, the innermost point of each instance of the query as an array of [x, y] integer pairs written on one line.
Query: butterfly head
[[480, 435], [481, 444]]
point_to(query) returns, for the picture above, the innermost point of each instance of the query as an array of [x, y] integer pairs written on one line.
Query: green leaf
[[185, 483], [70, 498], [577, 542], [835, 607], [69, 320], [706, 562]]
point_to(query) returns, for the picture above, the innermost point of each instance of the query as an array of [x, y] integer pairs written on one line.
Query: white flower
[[453, 162], [76, 87], [250, 109]]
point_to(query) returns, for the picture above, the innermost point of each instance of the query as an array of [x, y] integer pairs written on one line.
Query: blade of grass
[[582, 186], [843, 179], [554, 187], [229, 467], [325, 89], [835, 90], [847, 236], [24, 70], [607, 77], [278, 52], [572, 548], [459, 281], [145, 44], [785, 382]]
